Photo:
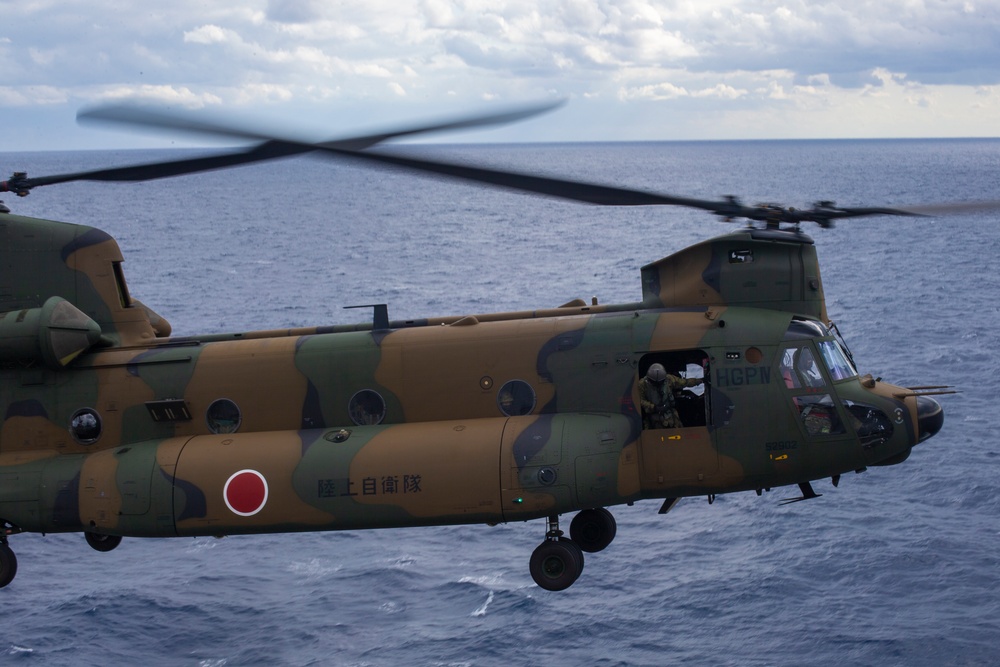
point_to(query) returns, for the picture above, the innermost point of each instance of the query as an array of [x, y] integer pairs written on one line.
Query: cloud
[[795, 59], [658, 91], [168, 95], [211, 34], [31, 96]]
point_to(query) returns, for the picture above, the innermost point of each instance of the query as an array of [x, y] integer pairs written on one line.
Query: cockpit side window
[[819, 415], [809, 391], [799, 369]]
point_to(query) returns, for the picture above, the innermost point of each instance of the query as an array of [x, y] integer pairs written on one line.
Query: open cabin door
[[676, 445]]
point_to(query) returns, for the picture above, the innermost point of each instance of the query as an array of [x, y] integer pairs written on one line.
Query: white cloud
[[32, 96], [658, 91], [171, 95], [720, 90], [211, 34], [253, 93], [785, 66]]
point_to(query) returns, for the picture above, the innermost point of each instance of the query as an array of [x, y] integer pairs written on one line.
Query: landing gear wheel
[[556, 564], [8, 564], [593, 529], [103, 542]]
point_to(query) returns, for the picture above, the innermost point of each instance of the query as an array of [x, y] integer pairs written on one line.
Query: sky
[[629, 70]]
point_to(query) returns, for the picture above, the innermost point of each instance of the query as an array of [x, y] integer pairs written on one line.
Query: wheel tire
[[593, 529], [8, 565], [555, 565], [575, 548], [103, 543]]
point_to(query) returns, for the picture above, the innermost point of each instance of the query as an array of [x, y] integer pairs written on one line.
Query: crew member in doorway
[[657, 397]]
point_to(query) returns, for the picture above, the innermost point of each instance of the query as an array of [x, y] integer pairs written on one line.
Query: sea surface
[[897, 566]]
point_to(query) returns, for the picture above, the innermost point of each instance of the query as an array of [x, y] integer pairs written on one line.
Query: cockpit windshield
[[836, 361]]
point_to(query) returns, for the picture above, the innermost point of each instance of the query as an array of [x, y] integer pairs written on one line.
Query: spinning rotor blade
[[151, 118], [271, 148], [129, 114], [959, 208], [561, 188], [21, 184], [823, 213], [729, 208]]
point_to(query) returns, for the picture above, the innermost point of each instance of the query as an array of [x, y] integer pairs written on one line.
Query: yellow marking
[[779, 458], [674, 437]]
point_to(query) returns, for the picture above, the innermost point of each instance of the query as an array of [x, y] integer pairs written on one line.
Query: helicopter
[[726, 376]]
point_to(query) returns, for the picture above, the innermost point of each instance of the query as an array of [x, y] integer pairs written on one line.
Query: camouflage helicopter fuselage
[[114, 427]]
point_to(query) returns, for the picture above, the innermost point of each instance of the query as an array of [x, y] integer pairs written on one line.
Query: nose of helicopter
[[930, 417]]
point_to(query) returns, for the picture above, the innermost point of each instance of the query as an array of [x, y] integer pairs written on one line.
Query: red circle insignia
[[245, 492]]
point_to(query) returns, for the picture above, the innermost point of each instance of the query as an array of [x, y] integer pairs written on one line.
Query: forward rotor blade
[[271, 148], [561, 188], [144, 172], [501, 118], [179, 122], [146, 117], [823, 213]]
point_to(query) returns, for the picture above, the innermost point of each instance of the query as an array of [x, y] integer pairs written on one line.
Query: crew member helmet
[[656, 373]]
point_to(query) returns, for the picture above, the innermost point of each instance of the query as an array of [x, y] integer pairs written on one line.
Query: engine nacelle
[[53, 335]]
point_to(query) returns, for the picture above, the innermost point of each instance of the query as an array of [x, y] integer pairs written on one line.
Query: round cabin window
[[516, 398], [85, 425], [367, 408], [223, 416]]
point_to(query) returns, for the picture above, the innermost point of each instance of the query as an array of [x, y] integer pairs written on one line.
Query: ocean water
[[897, 566]]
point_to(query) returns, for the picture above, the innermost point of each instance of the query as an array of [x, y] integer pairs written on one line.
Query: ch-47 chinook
[[114, 427]]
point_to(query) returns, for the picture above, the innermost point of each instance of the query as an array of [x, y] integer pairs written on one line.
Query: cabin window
[[681, 400], [85, 426], [223, 416], [367, 408], [516, 398]]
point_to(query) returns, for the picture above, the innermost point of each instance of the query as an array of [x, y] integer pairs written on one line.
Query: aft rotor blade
[[954, 209], [144, 172]]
